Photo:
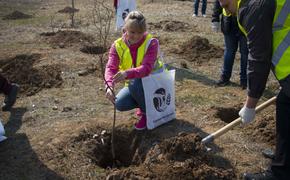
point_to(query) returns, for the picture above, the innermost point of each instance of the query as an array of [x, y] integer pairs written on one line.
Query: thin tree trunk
[[73, 13]]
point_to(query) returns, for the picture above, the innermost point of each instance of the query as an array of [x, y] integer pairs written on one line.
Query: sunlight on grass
[[193, 99]]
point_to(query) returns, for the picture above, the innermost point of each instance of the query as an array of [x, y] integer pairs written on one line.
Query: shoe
[[204, 15], [268, 153], [10, 99], [141, 124], [194, 15], [266, 175], [243, 84], [138, 112], [222, 82]]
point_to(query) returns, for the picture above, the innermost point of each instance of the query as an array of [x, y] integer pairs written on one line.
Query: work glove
[[247, 114], [215, 26]]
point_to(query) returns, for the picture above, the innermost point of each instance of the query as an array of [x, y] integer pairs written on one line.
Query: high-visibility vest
[[126, 61], [281, 39]]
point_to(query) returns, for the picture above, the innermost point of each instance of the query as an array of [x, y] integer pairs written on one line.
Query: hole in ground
[[177, 156], [227, 114], [99, 147]]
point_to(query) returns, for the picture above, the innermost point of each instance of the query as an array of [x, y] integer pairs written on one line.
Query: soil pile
[[178, 157], [170, 26], [93, 49], [16, 15], [198, 50], [67, 38], [263, 129], [68, 10], [20, 69]]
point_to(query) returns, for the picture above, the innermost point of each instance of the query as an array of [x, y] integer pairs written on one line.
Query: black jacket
[[228, 23]]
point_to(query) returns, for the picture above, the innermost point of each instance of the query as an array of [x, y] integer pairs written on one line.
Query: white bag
[[124, 7], [159, 94], [2, 132]]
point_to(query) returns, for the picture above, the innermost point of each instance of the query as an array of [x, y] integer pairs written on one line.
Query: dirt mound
[[67, 38], [16, 15], [20, 69], [198, 50], [68, 10], [93, 49], [170, 26], [263, 129], [179, 157]]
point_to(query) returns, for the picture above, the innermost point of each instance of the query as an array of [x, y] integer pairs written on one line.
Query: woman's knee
[[120, 106]]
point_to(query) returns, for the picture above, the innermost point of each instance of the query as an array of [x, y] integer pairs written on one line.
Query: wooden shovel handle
[[234, 123]]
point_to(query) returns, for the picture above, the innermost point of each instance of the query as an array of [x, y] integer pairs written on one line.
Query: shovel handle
[[234, 123]]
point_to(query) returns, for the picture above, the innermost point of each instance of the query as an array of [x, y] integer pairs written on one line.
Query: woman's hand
[[110, 95], [119, 77]]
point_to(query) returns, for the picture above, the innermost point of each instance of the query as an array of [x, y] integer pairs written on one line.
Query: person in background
[[132, 57], [10, 91], [203, 8], [234, 38], [115, 5], [266, 24]]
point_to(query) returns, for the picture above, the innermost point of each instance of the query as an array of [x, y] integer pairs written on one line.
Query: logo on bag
[[161, 100], [125, 13]]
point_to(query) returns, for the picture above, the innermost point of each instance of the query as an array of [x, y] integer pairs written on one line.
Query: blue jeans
[[131, 96], [232, 41], [196, 5]]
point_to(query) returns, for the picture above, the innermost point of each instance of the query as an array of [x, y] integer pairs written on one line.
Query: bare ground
[[61, 125]]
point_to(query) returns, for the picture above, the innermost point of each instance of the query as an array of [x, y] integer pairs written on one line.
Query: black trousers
[[5, 85], [281, 164]]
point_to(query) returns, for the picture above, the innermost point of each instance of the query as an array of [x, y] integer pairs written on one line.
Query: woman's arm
[[112, 66]]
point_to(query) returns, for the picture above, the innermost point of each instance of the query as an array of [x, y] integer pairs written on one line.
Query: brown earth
[[198, 50], [16, 15], [68, 10], [32, 79], [169, 26], [61, 125], [67, 38]]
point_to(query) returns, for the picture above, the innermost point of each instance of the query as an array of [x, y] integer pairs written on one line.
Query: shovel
[[234, 123]]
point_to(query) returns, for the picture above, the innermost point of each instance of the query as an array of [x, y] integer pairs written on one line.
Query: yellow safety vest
[[281, 39], [126, 61]]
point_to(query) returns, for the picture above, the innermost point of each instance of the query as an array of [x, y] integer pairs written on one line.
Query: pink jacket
[[143, 70]]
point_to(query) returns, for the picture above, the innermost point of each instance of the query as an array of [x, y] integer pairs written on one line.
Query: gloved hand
[[215, 26], [247, 114]]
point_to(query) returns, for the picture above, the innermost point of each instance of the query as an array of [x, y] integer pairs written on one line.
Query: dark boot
[[243, 84], [268, 153], [223, 82], [266, 175], [10, 99]]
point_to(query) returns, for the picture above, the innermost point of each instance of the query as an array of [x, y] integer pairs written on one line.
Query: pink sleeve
[[112, 66], [147, 63]]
